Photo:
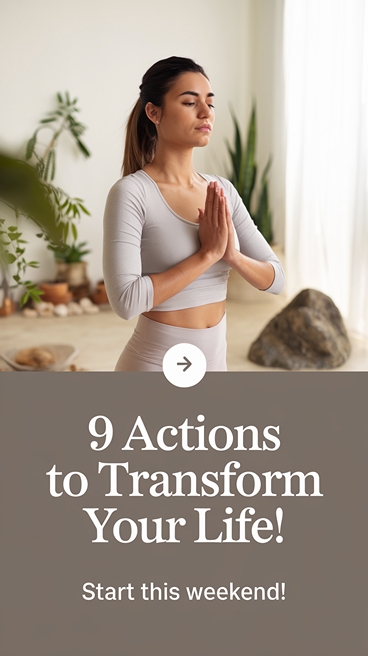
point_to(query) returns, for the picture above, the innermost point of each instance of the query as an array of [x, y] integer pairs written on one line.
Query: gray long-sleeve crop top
[[143, 235]]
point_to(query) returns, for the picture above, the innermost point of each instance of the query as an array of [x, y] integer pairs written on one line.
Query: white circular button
[[184, 365]]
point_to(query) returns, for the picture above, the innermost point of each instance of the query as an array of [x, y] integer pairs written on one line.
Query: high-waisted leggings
[[151, 339]]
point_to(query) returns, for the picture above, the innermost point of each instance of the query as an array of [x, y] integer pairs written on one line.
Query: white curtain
[[326, 119]]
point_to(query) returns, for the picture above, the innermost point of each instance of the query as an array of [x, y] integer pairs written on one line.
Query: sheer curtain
[[326, 114]]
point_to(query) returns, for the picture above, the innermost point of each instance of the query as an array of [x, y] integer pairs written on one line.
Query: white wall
[[267, 85], [98, 51]]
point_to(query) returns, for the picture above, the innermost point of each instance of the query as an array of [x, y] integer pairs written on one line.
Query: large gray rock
[[308, 333]]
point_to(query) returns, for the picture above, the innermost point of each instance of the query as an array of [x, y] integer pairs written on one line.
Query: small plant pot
[[74, 273], [99, 297], [61, 271], [7, 307], [55, 292], [77, 273]]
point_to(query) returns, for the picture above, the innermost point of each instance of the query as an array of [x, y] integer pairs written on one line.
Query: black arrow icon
[[185, 364]]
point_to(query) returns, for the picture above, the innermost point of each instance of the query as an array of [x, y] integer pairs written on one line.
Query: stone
[[309, 333], [61, 310], [88, 307], [29, 313], [74, 308], [47, 311], [39, 307], [44, 309]]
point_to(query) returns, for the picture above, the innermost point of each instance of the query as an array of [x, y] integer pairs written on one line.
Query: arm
[[129, 292], [256, 262]]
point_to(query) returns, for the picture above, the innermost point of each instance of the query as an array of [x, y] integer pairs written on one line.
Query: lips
[[204, 128]]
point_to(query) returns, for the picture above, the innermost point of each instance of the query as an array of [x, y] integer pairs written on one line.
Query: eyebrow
[[194, 93]]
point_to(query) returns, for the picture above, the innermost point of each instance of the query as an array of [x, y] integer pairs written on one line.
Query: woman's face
[[187, 117]]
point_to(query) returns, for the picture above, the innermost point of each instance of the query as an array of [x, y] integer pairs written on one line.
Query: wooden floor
[[100, 338]]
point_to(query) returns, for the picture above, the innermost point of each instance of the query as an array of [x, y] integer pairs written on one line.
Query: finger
[[222, 211], [228, 214], [216, 207], [208, 208]]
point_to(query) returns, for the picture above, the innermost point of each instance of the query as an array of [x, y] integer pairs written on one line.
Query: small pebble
[[29, 313], [74, 308], [42, 305], [47, 312], [88, 307], [61, 310], [85, 302]]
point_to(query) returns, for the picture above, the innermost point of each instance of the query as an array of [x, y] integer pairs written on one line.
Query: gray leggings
[[151, 339]]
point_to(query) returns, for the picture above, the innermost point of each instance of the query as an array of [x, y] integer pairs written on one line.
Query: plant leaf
[[263, 217], [30, 147], [84, 209], [24, 298], [250, 169], [83, 148]]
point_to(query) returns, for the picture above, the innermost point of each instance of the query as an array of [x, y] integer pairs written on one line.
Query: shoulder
[[127, 197], [129, 191], [133, 183]]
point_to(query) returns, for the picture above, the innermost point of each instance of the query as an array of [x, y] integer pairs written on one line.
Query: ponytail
[[141, 134], [140, 140]]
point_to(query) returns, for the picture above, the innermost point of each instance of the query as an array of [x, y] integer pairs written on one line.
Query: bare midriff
[[204, 316]]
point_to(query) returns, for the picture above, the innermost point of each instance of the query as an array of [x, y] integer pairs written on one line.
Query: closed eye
[[190, 104]]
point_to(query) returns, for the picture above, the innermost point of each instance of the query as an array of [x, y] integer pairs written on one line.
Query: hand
[[231, 251], [213, 224]]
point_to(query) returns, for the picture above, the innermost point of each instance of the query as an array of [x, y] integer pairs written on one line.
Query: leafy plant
[[67, 210], [244, 173], [73, 253], [58, 121]]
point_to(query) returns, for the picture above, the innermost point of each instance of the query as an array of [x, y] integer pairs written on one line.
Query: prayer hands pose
[[216, 231]]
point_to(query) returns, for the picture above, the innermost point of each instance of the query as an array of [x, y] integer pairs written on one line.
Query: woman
[[171, 235]]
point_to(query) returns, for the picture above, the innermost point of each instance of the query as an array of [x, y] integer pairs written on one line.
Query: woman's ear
[[153, 112]]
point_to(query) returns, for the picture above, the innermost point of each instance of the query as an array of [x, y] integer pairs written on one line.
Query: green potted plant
[[243, 175], [67, 210], [70, 265]]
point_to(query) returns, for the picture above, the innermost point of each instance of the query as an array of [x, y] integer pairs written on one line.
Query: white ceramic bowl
[[63, 354]]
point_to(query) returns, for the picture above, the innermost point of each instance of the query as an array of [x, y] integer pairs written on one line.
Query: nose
[[204, 111]]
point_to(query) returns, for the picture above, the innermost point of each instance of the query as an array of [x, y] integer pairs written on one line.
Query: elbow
[[278, 283], [130, 298], [125, 312], [122, 308]]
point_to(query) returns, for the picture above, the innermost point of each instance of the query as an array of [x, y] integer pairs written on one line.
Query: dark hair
[[141, 135]]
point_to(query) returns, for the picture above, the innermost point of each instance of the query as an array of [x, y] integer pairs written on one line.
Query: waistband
[[151, 339]]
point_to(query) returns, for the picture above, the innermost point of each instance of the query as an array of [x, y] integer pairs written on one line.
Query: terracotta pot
[[55, 292], [99, 296], [7, 307]]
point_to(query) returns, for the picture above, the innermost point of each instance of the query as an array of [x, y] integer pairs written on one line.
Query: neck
[[173, 166]]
